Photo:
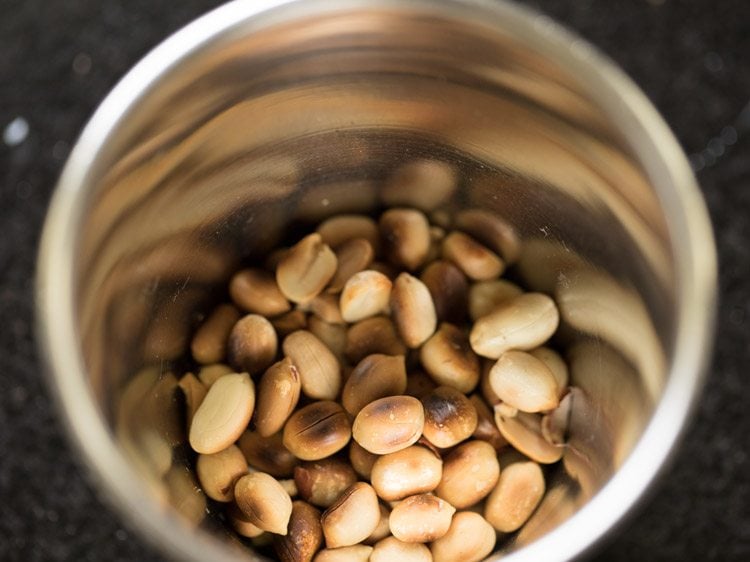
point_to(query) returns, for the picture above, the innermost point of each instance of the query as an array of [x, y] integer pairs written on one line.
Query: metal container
[[264, 116]]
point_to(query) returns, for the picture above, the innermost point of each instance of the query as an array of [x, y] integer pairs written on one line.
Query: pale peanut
[[224, 414], [376, 376], [524, 432], [354, 553], [421, 518], [383, 529], [522, 381], [319, 370], [352, 518], [218, 472], [391, 549], [365, 294], [278, 394], [339, 229], [407, 472], [555, 364], [413, 310], [209, 374], [470, 538], [485, 296], [523, 323], [326, 307], [306, 269], [492, 231]]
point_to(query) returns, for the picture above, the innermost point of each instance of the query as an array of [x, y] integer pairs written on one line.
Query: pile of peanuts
[[378, 392]]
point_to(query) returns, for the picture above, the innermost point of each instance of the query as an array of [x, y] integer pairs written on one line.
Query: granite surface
[[59, 58]]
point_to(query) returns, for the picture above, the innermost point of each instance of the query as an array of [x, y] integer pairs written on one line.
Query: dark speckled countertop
[[59, 58]]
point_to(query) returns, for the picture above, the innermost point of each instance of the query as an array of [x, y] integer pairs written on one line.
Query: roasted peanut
[[475, 260], [209, 374], [362, 460], [267, 454], [485, 296], [252, 344], [555, 364], [319, 370], [523, 323], [413, 310], [325, 307], [555, 424], [519, 490], [317, 431], [218, 472], [365, 294], [383, 529], [339, 229], [470, 538], [224, 414], [256, 291], [407, 472], [209, 343], [304, 535], [290, 322], [352, 518], [306, 269], [449, 417], [449, 360], [194, 391], [352, 256], [486, 429], [449, 289], [492, 231], [241, 523], [322, 482], [470, 472], [521, 380], [264, 502], [421, 518], [390, 549], [278, 394], [418, 384], [374, 335], [406, 237], [389, 424], [376, 376]]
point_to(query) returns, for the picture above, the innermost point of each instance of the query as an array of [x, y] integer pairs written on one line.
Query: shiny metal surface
[[263, 117]]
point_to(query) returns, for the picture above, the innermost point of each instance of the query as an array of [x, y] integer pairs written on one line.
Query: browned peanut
[[319, 370], [278, 394], [322, 482], [218, 472], [376, 376], [449, 289], [418, 384], [470, 539], [352, 257], [390, 549], [470, 472], [290, 322], [519, 490], [449, 417], [524, 322], [267, 454], [406, 237], [524, 432], [361, 459], [475, 260], [486, 429], [421, 518], [241, 523], [209, 343], [389, 424], [209, 374], [365, 294], [339, 229], [332, 335], [449, 360], [224, 414], [407, 472], [555, 364], [252, 344], [304, 535], [264, 502], [306, 269], [255, 290], [423, 184], [555, 424], [194, 391], [325, 307], [352, 518], [317, 431], [383, 529], [353, 553], [522, 381], [413, 310], [374, 335], [492, 231], [486, 296]]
